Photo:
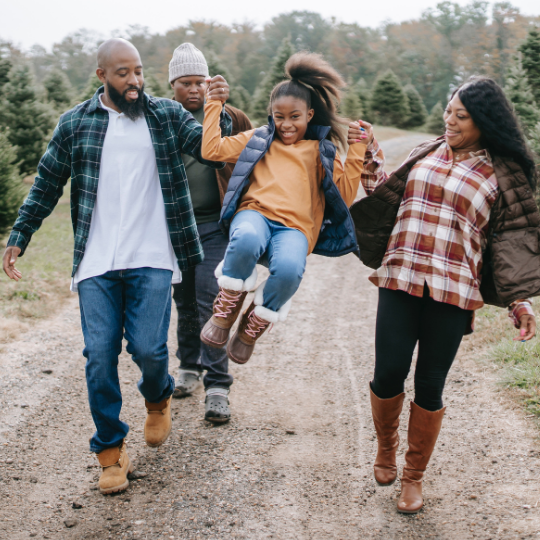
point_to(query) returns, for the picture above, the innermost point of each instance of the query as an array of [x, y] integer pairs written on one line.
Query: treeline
[[398, 75]]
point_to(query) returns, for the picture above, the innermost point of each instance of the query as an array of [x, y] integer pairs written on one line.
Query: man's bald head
[[114, 49]]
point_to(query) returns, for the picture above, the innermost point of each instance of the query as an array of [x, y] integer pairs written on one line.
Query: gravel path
[[294, 463]]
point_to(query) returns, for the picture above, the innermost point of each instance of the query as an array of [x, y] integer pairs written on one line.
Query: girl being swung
[[288, 197]]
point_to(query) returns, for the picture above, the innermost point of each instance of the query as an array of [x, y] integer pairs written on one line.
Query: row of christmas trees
[[28, 115]]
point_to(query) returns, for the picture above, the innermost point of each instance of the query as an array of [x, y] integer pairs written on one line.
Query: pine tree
[[5, 68], [435, 121], [29, 121], [364, 94], [418, 110], [530, 49], [389, 105], [238, 96], [153, 87], [518, 91], [275, 75], [58, 89], [11, 186], [350, 105], [91, 86]]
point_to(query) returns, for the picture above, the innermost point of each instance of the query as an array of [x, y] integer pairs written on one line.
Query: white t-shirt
[[128, 229]]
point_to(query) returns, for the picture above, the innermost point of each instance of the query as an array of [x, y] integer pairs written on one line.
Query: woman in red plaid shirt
[[468, 193]]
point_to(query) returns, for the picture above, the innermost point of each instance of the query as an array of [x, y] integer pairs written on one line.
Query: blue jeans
[[194, 299], [282, 249], [135, 304]]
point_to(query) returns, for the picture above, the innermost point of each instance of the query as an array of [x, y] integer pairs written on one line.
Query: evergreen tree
[[350, 105], [91, 86], [153, 87], [238, 96], [518, 91], [275, 75], [29, 121], [435, 121], [418, 115], [11, 186], [58, 89], [389, 105], [364, 94], [530, 49], [5, 68]]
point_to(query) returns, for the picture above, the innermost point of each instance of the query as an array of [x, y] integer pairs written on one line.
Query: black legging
[[403, 321]]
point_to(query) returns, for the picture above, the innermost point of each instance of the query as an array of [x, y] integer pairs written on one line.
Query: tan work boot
[[227, 306], [158, 425], [115, 466], [386, 419], [424, 428], [251, 328]]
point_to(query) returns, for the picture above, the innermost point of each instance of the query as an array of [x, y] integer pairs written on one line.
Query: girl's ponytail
[[315, 81]]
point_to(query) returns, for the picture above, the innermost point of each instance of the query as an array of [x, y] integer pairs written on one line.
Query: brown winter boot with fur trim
[[227, 307], [115, 466]]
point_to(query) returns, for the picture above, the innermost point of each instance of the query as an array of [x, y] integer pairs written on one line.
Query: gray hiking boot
[[187, 383], [217, 405]]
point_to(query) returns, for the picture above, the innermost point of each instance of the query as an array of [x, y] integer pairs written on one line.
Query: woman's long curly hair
[[494, 116], [317, 83]]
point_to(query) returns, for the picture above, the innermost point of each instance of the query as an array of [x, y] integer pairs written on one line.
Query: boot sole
[[214, 344], [231, 357], [387, 484], [121, 487], [215, 420], [409, 511]]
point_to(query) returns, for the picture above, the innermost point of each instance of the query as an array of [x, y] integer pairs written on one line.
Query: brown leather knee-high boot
[[424, 428], [386, 419]]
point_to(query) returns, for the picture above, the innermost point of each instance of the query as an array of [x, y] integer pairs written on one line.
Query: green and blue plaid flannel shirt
[[75, 151]]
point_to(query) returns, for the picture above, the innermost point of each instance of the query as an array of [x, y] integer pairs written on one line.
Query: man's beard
[[132, 109]]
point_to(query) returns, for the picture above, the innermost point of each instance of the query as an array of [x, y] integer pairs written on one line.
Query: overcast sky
[[26, 22]]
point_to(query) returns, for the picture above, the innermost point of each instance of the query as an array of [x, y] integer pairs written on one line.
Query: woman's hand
[[527, 328], [218, 89], [360, 132]]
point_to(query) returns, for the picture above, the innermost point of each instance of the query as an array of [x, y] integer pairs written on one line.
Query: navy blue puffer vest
[[337, 236]]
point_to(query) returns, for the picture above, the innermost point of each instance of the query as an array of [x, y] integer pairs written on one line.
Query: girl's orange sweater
[[285, 185]]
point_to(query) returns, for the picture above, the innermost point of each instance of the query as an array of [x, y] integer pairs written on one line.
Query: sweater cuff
[[519, 308]]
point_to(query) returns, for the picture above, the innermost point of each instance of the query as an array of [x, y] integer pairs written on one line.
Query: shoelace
[[221, 304], [255, 325]]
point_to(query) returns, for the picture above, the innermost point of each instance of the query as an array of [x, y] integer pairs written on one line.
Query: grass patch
[[518, 363], [46, 269]]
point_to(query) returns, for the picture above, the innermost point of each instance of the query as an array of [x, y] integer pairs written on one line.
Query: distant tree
[[350, 106], [389, 105], [418, 113], [58, 89], [153, 86], [11, 186], [364, 95], [530, 50], [28, 119], [5, 68], [275, 75], [91, 86], [435, 121], [519, 92]]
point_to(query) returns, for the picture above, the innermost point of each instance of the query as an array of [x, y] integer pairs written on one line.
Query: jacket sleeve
[[373, 174], [190, 135], [347, 178], [215, 146], [54, 170]]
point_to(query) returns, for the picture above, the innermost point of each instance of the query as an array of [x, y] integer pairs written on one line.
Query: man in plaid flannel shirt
[[134, 231]]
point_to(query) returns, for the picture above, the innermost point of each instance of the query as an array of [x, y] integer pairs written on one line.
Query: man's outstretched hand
[[10, 257], [218, 88]]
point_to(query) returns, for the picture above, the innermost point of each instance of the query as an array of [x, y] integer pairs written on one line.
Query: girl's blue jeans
[[254, 238]]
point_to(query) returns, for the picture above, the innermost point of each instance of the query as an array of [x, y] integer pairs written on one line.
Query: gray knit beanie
[[187, 60]]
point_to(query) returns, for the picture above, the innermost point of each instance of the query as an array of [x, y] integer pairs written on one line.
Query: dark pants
[[194, 298], [403, 321], [135, 305]]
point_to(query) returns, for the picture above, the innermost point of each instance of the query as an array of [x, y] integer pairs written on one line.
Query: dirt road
[[294, 463]]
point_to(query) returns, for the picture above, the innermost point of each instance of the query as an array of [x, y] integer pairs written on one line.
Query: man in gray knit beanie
[[188, 72]]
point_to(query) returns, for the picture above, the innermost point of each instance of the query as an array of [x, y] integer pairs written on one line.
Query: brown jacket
[[240, 122], [511, 261]]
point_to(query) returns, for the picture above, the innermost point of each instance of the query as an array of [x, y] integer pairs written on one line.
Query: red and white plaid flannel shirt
[[441, 227]]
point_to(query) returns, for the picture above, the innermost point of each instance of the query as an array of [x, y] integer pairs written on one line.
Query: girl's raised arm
[[215, 148]]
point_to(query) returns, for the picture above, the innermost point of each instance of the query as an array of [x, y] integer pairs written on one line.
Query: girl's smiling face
[[291, 116]]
